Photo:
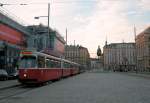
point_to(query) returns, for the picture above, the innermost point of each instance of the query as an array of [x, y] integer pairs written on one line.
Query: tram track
[[13, 86], [14, 91]]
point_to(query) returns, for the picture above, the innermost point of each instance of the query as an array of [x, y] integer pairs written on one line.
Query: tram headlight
[[25, 75]]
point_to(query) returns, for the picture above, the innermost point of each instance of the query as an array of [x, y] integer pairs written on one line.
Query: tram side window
[[58, 64], [67, 65], [64, 65], [41, 62], [76, 66], [48, 63], [53, 64], [71, 65]]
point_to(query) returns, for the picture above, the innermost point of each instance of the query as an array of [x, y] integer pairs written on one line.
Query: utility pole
[[135, 49], [66, 36], [48, 25], [47, 41], [74, 42], [134, 33], [106, 41], [74, 51]]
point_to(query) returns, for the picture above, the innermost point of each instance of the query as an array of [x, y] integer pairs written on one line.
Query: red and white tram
[[36, 67]]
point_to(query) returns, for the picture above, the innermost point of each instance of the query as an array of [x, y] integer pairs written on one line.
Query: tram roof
[[57, 58], [49, 56]]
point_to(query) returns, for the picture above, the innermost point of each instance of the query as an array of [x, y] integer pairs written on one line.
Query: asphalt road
[[88, 88]]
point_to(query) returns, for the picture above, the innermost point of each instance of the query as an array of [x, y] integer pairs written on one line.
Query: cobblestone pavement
[[89, 87], [8, 83], [144, 75]]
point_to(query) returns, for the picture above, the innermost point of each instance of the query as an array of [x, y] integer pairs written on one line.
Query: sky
[[89, 22]]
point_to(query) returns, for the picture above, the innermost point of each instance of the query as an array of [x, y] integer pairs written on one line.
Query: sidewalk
[[8, 83], [140, 74]]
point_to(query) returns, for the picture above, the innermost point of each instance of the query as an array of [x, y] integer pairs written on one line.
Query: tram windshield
[[28, 62]]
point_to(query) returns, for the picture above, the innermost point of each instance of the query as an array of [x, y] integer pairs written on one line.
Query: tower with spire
[[106, 41]]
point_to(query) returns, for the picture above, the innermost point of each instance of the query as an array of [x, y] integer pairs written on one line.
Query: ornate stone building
[[119, 56], [143, 50], [52, 43], [78, 54]]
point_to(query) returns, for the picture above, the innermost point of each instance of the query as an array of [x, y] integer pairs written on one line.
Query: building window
[[149, 49], [149, 39]]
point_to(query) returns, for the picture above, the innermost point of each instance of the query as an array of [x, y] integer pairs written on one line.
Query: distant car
[[3, 74], [13, 75]]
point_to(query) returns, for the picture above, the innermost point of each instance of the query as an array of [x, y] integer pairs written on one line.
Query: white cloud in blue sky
[[88, 21]]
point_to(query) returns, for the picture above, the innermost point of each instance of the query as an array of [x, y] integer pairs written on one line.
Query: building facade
[[78, 54], [13, 38], [119, 56], [97, 63], [52, 43], [143, 50]]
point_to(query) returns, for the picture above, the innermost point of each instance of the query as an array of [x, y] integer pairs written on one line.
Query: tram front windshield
[[28, 62]]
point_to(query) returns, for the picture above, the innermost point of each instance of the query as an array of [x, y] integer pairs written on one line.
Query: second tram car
[[36, 67]]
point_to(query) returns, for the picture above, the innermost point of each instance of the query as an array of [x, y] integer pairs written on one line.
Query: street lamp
[[1, 4], [38, 17]]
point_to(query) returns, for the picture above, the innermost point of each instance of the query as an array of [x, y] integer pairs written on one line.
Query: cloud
[[88, 23], [144, 5], [111, 19], [107, 20]]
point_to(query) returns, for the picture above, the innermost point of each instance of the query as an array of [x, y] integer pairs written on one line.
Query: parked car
[[3, 74], [13, 75]]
